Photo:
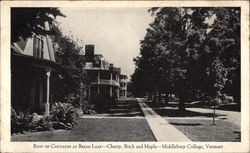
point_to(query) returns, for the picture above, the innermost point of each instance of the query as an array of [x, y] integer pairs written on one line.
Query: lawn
[[198, 126], [128, 107], [203, 130], [96, 129]]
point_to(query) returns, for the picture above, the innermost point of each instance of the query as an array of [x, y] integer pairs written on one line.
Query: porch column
[[48, 93], [118, 93], [125, 90], [89, 93], [111, 78], [111, 92], [98, 82]]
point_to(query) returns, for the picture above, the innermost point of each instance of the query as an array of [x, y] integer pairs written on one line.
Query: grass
[[196, 128], [204, 131], [96, 129], [126, 108], [170, 111]]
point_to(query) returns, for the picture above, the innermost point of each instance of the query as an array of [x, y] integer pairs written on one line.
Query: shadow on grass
[[172, 111], [187, 113], [126, 108], [227, 107], [223, 118], [223, 131], [186, 124], [157, 105]]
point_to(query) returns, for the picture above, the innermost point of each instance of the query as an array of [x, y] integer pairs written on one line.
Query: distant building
[[123, 85], [33, 69], [104, 77]]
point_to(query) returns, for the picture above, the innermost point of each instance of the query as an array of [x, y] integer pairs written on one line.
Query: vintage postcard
[[125, 76]]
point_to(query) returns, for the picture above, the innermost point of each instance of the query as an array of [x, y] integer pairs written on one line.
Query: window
[[37, 47], [122, 84], [97, 63]]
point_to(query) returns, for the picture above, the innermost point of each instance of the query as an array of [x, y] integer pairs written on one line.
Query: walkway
[[230, 116], [161, 129]]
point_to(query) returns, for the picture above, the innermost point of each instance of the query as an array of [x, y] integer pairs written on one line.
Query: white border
[[7, 146]]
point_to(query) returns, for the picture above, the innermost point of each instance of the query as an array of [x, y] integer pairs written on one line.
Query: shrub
[[64, 113], [43, 124], [24, 121], [82, 106], [87, 108], [103, 102], [19, 121], [62, 116], [74, 100]]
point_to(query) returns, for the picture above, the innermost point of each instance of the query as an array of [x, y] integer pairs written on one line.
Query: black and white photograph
[[127, 74]]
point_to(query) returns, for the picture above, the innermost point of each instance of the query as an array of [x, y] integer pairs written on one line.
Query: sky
[[115, 32]]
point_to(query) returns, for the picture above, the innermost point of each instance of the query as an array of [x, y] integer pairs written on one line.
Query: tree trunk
[[166, 98], [150, 96], [159, 97], [154, 97], [214, 116], [237, 100], [181, 104]]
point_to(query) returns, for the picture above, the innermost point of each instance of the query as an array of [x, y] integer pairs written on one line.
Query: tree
[[167, 37], [225, 36], [193, 52], [68, 54], [26, 21]]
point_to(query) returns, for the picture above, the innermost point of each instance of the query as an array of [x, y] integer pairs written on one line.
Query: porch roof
[[22, 59]]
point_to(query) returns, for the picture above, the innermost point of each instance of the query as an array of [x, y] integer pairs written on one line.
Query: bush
[[87, 108], [43, 124], [103, 102], [19, 122], [24, 121], [62, 116], [74, 100], [64, 113], [82, 106]]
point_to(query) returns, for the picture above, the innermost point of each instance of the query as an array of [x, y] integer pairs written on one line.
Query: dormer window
[[38, 47], [97, 62]]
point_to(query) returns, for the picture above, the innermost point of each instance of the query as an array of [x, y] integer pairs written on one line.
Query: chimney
[[89, 52], [111, 66]]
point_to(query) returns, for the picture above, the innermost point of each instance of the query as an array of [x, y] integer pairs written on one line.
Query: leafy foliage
[[74, 82], [26, 21], [191, 52], [62, 116], [65, 113], [24, 121], [103, 102]]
